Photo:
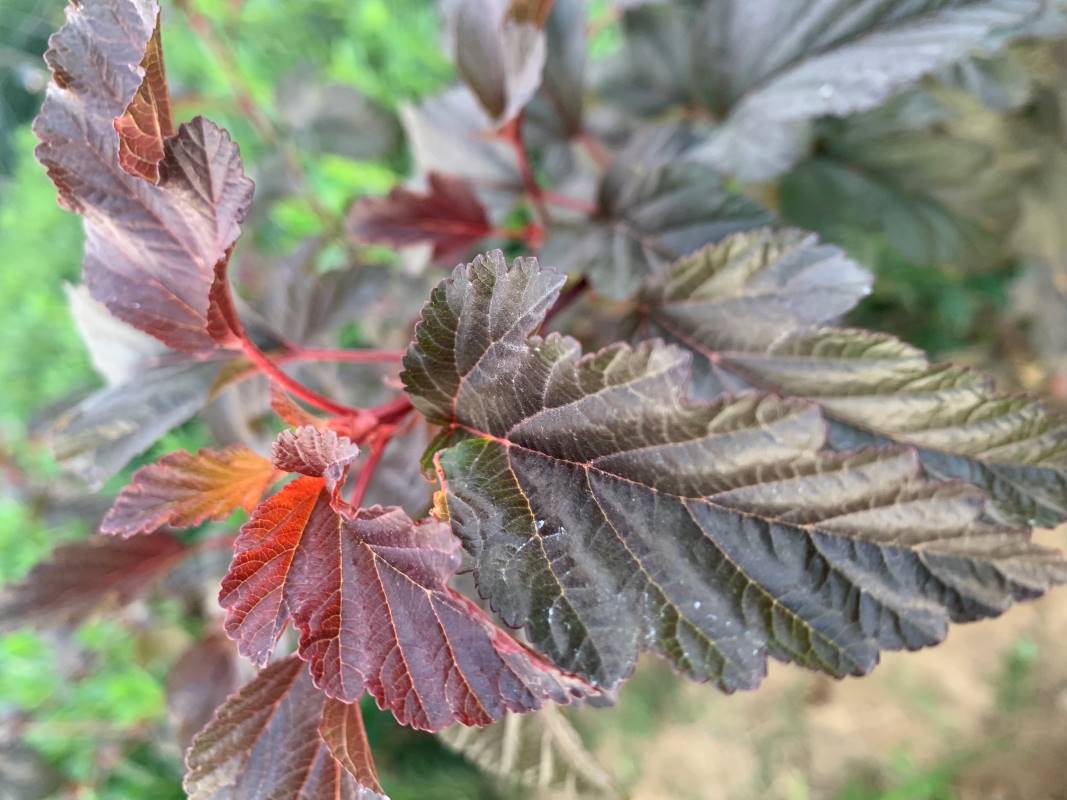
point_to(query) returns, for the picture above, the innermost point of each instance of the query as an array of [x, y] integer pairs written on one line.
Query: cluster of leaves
[[729, 474]]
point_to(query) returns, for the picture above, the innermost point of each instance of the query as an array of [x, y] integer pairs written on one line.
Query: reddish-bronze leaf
[[151, 251], [313, 451], [369, 592], [264, 742], [343, 732], [182, 490], [289, 412], [147, 123], [254, 591], [77, 578], [448, 216]]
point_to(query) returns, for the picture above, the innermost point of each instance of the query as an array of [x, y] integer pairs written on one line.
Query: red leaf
[[448, 216], [264, 742], [77, 578], [343, 732], [369, 592], [147, 122], [289, 412], [150, 251], [182, 490], [254, 592]]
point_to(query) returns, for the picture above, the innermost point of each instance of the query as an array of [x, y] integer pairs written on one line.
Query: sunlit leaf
[[182, 490], [608, 514], [368, 591]]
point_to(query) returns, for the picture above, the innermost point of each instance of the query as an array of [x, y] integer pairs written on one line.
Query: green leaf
[[875, 387], [608, 514]]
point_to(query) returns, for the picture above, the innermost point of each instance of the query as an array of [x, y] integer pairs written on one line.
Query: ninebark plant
[[736, 478]]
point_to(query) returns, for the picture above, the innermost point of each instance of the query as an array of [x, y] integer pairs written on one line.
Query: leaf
[[559, 105], [651, 209], [77, 578], [117, 350], [147, 123], [264, 742], [368, 591], [764, 71], [608, 515], [343, 732], [198, 683], [875, 385], [97, 438], [499, 50], [150, 251], [540, 751], [447, 134], [936, 173], [182, 490], [448, 216]]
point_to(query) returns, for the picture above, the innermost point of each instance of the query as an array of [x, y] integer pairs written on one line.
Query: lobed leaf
[[265, 742], [447, 216], [182, 490], [368, 590], [765, 70], [608, 514], [876, 387], [77, 578], [151, 251], [651, 209]]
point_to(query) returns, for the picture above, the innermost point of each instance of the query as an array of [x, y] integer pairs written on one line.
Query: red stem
[[512, 132], [339, 355], [293, 386], [393, 411], [367, 472]]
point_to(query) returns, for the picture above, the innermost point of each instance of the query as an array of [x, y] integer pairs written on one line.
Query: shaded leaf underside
[[745, 307], [608, 515], [151, 251]]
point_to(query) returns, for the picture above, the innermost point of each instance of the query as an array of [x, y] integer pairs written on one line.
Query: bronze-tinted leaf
[[77, 578], [182, 490], [264, 742], [343, 732], [609, 514], [447, 216], [752, 308], [147, 122], [368, 591], [150, 251]]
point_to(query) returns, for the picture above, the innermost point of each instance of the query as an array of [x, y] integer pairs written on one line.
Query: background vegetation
[[84, 714]]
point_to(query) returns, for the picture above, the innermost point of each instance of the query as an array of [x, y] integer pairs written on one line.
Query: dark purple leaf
[[608, 514]]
